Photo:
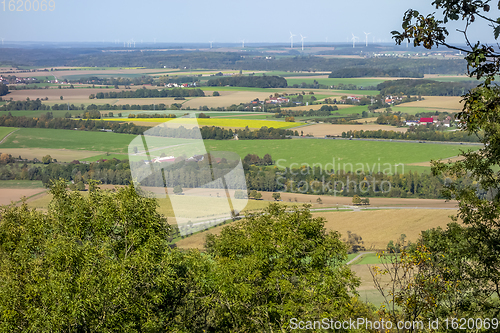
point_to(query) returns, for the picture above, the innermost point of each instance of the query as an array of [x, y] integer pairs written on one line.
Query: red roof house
[[426, 120]]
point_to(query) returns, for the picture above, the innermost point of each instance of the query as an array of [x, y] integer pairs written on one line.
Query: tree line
[[111, 171], [4, 89], [248, 81], [374, 72], [150, 93], [425, 87], [324, 111], [417, 133]]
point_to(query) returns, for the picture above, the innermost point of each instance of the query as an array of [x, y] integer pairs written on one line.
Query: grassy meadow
[[68, 139], [311, 151], [4, 131]]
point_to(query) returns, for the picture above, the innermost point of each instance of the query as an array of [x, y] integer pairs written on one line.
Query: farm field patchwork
[[90, 145], [376, 228]]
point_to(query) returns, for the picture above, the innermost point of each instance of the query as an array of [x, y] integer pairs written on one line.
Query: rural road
[[5, 137]]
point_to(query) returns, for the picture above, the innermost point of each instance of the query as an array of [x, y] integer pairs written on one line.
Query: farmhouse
[[412, 123], [277, 100]]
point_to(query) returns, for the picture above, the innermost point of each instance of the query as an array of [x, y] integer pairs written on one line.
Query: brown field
[[320, 130], [378, 227], [69, 95], [140, 101], [8, 195], [445, 103], [62, 155], [226, 98]]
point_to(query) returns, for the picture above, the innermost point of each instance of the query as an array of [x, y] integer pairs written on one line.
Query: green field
[[39, 113], [21, 184], [68, 139], [309, 151], [6, 130], [348, 155]]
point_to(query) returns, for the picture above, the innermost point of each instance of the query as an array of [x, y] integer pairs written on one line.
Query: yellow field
[[446, 103], [15, 194], [378, 227], [233, 123], [321, 130]]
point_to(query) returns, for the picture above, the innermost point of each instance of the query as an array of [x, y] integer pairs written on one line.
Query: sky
[[220, 21]]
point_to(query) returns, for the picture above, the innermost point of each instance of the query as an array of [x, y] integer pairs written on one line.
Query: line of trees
[[425, 87], [309, 180], [4, 89], [150, 93], [374, 72], [325, 111], [417, 133], [111, 171], [248, 81]]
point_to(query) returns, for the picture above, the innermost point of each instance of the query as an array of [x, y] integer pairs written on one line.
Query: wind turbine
[[2, 41], [210, 43], [291, 40], [354, 40], [302, 40], [366, 35], [243, 43]]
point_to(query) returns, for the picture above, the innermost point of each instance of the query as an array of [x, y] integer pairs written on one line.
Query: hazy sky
[[216, 20]]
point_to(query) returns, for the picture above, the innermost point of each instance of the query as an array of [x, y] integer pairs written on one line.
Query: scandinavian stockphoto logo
[[171, 161]]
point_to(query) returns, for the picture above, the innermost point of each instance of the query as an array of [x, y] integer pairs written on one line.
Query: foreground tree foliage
[[279, 265], [456, 272], [96, 263], [102, 263]]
